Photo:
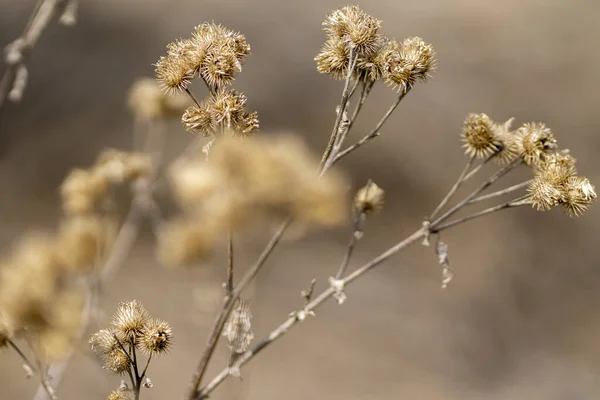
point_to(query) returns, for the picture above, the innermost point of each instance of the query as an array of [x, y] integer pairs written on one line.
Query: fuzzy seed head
[[411, 64], [173, 73], [479, 136], [580, 194], [544, 194], [333, 58], [117, 362], [537, 141], [129, 321], [199, 120], [81, 241], [369, 199], [558, 168], [355, 27], [156, 337], [103, 343], [81, 190], [509, 142], [148, 101], [220, 65], [246, 126]]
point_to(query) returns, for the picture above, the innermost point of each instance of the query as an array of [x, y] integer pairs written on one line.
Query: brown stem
[[189, 92], [514, 203], [357, 231], [375, 132], [454, 188], [342, 107], [500, 192], [229, 284], [478, 168]]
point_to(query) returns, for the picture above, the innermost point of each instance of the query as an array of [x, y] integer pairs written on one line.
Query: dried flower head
[[479, 136], [199, 120], [355, 27], [544, 194], [173, 73], [129, 321], [509, 143], [537, 141], [81, 242], [238, 329], [117, 362], [411, 64], [220, 65], [369, 199], [121, 394], [104, 343], [156, 337], [333, 58], [580, 194], [118, 166], [246, 126], [227, 107]]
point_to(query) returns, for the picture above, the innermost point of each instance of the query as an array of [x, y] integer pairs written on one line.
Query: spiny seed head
[[411, 64], [558, 168], [369, 199], [478, 135], [188, 52], [210, 33], [580, 194], [509, 142], [370, 67], [121, 394], [537, 141], [199, 120], [117, 362], [220, 65], [156, 337], [543, 194], [247, 126], [227, 107], [129, 320], [355, 27], [104, 343], [173, 73], [238, 328], [333, 58]]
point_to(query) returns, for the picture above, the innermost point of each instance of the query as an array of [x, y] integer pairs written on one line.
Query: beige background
[[519, 321]]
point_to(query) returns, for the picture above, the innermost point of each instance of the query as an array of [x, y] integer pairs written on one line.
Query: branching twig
[[500, 192], [454, 188], [357, 232]]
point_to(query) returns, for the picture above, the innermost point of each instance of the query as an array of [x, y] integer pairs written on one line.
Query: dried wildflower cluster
[[369, 199], [132, 330], [355, 45], [242, 182], [215, 55], [85, 189], [555, 176]]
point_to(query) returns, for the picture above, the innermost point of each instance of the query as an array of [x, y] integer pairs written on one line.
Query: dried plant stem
[[342, 107], [357, 231], [478, 168], [453, 190], [374, 133], [189, 92], [228, 306], [500, 192], [499, 174], [18, 51], [514, 203], [229, 283], [366, 89], [48, 390]]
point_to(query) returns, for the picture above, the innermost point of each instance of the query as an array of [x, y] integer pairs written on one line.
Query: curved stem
[[454, 188]]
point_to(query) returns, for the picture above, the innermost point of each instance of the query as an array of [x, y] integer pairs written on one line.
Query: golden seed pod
[[580, 194], [479, 136], [369, 199], [359, 29], [333, 58], [117, 362], [412, 63], [156, 337], [227, 107], [544, 194], [121, 394], [537, 141], [103, 343], [129, 321], [173, 74], [246, 126], [509, 143], [558, 168], [220, 66], [199, 120]]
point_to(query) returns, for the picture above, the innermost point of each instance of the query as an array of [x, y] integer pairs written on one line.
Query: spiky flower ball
[[355, 27], [412, 64], [537, 141], [369, 199], [129, 320], [478, 136], [156, 337], [121, 394]]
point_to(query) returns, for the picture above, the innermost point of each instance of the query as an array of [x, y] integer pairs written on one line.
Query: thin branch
[[478, 167], [514, 203], [366, 89], [342, 107], [454, 188], [356, 233], [501, 192], [188, 91], [19, 50], [229, 283], [476, 192], [375, 132]]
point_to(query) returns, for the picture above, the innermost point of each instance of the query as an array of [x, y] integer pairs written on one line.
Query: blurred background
[[519, 320]]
